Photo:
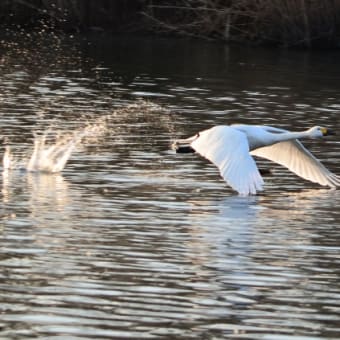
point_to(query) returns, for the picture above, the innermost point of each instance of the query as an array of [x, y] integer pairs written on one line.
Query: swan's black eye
[[198, 135]]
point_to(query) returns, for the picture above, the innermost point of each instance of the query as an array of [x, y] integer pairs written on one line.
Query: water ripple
[[133, 241]]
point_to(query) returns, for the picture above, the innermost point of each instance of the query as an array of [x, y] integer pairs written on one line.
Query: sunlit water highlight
[[132, 241]]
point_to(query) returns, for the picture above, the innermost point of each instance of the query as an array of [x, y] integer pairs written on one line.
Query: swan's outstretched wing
[[293, 155], [228, 149]]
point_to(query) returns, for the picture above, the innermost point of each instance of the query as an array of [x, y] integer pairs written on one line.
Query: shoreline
[[286, 23]]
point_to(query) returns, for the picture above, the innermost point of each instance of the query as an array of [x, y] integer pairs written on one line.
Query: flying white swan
[[231, 149]]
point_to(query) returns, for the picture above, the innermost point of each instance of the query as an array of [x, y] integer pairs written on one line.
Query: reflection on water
[[133, 241]]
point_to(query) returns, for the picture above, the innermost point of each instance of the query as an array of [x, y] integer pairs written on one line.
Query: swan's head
[[319, 132]]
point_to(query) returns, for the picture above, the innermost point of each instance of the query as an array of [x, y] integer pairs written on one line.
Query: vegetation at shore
[[306, 23]]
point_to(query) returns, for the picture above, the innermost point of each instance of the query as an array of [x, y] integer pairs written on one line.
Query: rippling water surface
[[133, 241]]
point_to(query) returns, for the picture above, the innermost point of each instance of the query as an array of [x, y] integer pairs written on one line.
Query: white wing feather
[[293, 155], [228, 149]]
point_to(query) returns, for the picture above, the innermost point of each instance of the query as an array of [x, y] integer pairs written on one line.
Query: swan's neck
[[285, 136]]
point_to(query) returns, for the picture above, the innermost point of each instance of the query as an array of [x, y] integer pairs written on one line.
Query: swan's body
[[231, 149]]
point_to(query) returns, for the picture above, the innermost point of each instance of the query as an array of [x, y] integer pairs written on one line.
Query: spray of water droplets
[[51, 150]]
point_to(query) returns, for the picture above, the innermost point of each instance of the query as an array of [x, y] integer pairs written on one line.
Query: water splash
[[7, 161], [51, 150], [51, 157]]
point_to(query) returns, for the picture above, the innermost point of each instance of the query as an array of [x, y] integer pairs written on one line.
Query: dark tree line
[[281, 22]]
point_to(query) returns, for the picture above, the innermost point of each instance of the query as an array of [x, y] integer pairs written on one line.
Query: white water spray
[[51, 151], [51, 157]]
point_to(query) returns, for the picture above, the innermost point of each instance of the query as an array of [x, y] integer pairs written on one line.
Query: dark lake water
[[133, 241]]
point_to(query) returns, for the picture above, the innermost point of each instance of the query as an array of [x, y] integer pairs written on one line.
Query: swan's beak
[[327, 132]]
